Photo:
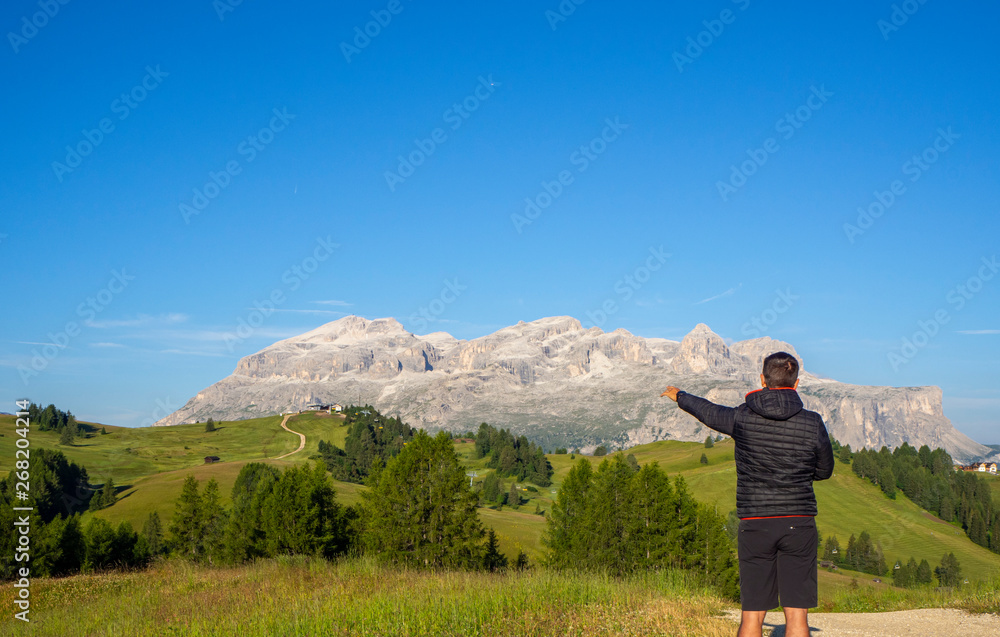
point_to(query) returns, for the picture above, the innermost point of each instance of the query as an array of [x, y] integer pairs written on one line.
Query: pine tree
[[902, 576], [99, 540], [709, 442], [566, 524], [59, 549], [977, 530], [949, 573], [123, 547], [419, 509], [493, 488], [887, 481], [845, 454], [209, 425], [66, 436], [244, 536], [704, 459], [851, 556], [493, 559], [152, 534], [608, 510], [186, 525], [521, 562], [514, 495], [632, 462], [105, 497], [213, 522], [923, 573]]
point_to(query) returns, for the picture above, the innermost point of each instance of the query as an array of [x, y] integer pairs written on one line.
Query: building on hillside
[[337, 407], [211, 459], [328, 408], [982, 467]]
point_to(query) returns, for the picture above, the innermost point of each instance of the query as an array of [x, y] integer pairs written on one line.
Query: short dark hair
[[780, 370]]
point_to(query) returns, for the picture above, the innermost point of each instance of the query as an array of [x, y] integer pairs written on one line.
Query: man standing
[[781, 449]]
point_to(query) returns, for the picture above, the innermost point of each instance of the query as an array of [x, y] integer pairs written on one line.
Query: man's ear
[[763, 383]]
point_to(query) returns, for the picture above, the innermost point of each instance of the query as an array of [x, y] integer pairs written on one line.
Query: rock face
[[555, 382]]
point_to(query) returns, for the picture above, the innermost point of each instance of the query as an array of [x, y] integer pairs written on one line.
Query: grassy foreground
[[358, 597]]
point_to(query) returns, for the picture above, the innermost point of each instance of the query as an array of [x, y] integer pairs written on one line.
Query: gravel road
[[925, 622]]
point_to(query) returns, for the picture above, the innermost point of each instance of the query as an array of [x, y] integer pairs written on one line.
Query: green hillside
[[153, 462]]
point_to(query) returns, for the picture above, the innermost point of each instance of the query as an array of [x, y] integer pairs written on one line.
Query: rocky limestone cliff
[[555, 382]]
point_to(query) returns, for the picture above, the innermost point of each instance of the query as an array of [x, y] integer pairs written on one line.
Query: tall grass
[[977, 597], [360, 597]]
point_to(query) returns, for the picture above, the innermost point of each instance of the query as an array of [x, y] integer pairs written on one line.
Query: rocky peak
[[703, 351], [757, 349], [350, 329]]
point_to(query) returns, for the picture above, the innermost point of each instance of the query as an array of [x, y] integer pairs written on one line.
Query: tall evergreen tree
[[419, 509], [923, 573], [186, 526], [977, 530], [104, 498], [301, 516], [887, 481], [100, 539], [152, 534], [493, 488], [949, 573], [213, 522], [632, 462], [244, 536], [514, 495], [609, 509], [567, 530], [521, 562], [61, 548], [66, 436], [493, 559], [709, 442]]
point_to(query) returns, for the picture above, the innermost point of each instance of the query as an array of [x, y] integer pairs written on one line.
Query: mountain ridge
[[556, 381]]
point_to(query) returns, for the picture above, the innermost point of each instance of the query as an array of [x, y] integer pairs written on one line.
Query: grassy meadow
[[149, 466], [358, 597]]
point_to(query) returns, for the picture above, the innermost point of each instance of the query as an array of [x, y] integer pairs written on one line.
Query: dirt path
[[302, 438], [925, 622]]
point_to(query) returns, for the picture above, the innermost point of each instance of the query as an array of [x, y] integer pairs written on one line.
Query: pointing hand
[[670, 393]]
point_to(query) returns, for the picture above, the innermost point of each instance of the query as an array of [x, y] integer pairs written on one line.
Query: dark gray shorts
[[778, 563]]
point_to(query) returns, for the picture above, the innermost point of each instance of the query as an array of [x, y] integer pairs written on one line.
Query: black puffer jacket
[[780, 449]]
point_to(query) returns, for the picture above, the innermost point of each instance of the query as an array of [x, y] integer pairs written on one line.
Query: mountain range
[[556, 382]]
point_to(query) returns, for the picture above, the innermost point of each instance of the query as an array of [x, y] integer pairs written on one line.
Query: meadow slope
[[150, 464]]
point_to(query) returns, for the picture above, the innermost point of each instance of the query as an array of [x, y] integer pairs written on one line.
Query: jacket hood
[[775, 404]]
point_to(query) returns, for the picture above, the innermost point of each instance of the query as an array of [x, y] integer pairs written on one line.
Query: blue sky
[[167, 170]]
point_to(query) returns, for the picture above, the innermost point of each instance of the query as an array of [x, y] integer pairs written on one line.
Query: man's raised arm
[[717, 417]]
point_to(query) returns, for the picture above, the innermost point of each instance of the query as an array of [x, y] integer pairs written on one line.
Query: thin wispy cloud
[[334, 302], [102, 344], [728, 292], [192, 352], [328, 312], [142, 320], [977, 332]]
